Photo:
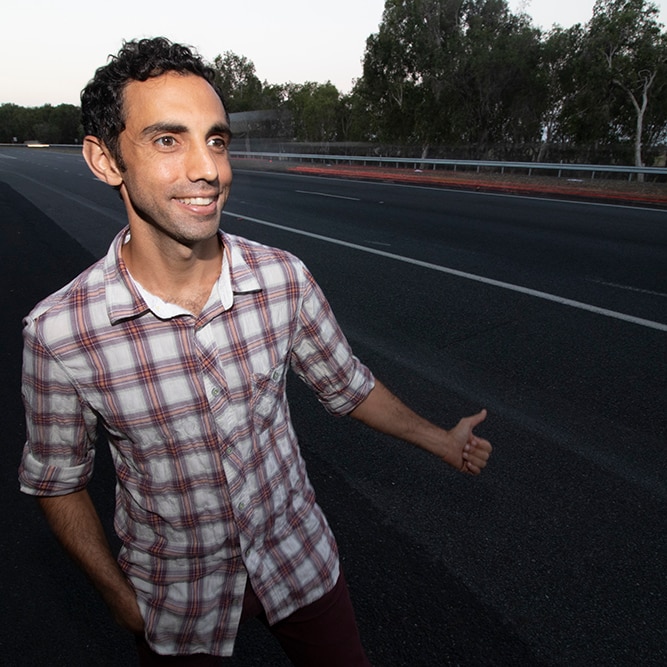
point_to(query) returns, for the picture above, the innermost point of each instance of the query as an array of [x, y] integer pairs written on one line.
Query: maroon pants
[[322, 634]]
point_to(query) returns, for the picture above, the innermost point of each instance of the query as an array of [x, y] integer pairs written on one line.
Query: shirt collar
[[126, 299]]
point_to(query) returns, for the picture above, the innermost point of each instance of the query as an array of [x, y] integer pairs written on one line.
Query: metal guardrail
[[559, 168], [476, 165]]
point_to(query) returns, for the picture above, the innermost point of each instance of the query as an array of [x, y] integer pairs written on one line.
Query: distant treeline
[[457, 78], [48, 124]]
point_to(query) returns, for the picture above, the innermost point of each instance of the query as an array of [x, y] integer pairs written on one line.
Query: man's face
[[174, 146]]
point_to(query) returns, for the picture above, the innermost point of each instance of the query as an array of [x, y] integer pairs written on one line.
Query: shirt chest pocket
[[268, 395]]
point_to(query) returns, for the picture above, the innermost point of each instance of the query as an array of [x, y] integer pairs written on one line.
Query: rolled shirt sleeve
[[59, 453], [322, 357]]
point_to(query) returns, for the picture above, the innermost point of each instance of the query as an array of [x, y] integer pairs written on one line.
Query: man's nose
[[201, 165]]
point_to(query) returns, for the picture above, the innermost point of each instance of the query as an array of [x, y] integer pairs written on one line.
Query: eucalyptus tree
[[454, 72], [238, 81], [627, 49], [67, 119], [15, 123], [409, 75], [569, 105], [500, 79], [315, 109]]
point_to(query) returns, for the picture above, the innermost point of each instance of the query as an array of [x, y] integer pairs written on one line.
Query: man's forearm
[[77, 526], [459, 447], [386, 413]]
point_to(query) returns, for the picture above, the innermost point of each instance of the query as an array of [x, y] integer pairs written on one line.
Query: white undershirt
[[222, 290]]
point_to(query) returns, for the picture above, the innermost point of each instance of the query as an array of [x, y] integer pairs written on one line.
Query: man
[[178, 342]]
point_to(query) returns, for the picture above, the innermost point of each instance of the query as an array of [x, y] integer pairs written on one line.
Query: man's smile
[[196, 201]]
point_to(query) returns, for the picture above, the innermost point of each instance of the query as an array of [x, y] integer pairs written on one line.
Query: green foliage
[[626, 49], [407, 84], [499, 76], [464, 77], [470, 72], [236, 77], [48, 124], [315, 111], [454, 71]]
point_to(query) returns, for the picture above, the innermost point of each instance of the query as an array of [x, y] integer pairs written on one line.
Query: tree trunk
[[425, 149], [640, 110], [638, 141]]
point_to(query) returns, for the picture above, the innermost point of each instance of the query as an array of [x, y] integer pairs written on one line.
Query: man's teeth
[[197, 201]]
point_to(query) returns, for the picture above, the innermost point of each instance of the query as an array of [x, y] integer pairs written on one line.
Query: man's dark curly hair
[[138, 60]]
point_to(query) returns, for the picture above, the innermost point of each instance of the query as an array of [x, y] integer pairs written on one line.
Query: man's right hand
[[125, 610], [76, 524]]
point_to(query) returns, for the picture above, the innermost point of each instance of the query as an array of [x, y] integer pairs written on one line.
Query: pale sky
[[49, 50]]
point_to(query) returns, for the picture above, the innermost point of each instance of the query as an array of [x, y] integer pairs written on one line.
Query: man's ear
[[100, 162]]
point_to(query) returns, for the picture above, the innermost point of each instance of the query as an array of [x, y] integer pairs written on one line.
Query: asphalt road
[[551, 314]]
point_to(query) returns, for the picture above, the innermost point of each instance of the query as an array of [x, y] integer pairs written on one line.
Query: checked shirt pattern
[[211, 485]]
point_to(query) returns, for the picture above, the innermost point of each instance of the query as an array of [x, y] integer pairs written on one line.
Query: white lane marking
[[462, 274], [629, 288], [324, 194]]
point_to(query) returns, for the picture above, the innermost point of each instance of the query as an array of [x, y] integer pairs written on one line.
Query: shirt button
[[215, 392], [241, 506]]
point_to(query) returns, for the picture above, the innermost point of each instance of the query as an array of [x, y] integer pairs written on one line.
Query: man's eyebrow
[[177, 128], [221, 128], [156, 128]]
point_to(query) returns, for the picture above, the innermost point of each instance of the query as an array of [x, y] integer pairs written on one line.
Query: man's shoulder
[[254, 252], [78, 293], [269, 265]]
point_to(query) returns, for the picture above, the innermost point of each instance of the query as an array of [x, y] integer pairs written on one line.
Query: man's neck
[[174, 272]]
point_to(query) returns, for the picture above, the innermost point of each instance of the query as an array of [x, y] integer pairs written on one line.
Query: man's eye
[[218, 142], [166, 142]]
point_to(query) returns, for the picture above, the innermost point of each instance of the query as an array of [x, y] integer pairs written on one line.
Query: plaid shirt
[[211, 486]]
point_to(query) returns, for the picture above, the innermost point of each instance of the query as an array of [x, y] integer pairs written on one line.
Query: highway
[[550, 314]]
